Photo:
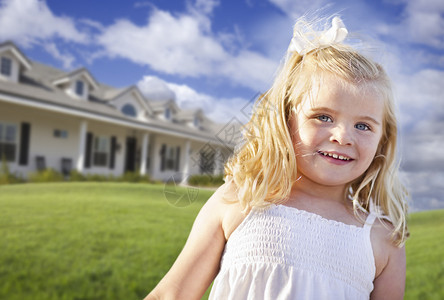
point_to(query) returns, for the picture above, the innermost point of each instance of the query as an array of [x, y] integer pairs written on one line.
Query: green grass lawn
[[425, 256], [88, 240], [116, 240]]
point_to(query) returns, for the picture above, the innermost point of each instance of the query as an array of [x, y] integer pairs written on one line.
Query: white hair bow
[[302, 44]]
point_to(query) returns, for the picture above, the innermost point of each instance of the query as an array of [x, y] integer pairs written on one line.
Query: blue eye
[[362, 126], [324, 118]]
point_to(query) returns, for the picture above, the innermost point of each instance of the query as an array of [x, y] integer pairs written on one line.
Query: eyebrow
[[368, 118]]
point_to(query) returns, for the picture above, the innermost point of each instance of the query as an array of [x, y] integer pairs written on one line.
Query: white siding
[[44, 143]]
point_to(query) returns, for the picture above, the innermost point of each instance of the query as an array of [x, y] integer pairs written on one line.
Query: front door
[[130, 159]]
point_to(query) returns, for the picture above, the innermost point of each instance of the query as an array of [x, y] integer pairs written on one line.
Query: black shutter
[[162, 157], [25, 132], [148, 156], [177, 158], [113, 152], [88, 149]]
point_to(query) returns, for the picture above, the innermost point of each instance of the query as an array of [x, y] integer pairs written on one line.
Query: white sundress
[[282, 252]]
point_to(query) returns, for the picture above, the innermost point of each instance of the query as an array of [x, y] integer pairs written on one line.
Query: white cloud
[[186, 97], [422, 139], [91, 24], [425, 21], [168, 44], [218, 110], [206, 6], [422, 22], [426, 189], [155, 88], [66, 58], [420, 94], [185, 45], [29, 21], [252, 69]]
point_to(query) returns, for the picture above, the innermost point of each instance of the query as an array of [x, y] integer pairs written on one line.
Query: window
[[101, 151], [6, 66], [58, 133], [129, 110], [170, 158], [207, 160], [196, 122], [167, 113], [79, 87], [8, 144]]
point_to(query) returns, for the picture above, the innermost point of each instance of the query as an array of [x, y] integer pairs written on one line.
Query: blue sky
[[217, 55]]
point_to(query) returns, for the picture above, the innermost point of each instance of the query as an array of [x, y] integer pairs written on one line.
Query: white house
[[53, 119]]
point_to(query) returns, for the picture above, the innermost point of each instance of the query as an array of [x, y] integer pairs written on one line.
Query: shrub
[[6, 177], [127, 177], [75, 175], [134, 177], [47, 175], [96, 177], [206, 180]]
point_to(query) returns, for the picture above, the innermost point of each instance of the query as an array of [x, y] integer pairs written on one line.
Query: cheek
[[310, 135], [369, 148], [301, 138], [293, 129]]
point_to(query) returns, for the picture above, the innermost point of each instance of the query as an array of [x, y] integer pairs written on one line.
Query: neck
[[307, 190]]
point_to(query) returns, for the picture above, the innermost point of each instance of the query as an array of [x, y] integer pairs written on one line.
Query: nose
[[341, 135]]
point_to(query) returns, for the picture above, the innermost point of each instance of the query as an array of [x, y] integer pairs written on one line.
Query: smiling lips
[[336, 156]]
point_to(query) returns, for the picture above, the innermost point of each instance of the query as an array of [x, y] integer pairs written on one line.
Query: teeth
[[335, 156]]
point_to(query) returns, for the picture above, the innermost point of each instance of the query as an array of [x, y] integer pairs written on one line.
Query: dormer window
[[167, 113], [80, 88], [129, 110], [12, 62], [6, 66], [77, 84]]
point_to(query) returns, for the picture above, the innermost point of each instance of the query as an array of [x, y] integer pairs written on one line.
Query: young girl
[[312, 207]]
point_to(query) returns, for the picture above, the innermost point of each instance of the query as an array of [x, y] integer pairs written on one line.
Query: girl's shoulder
[[226, 205], [390, 262], [382, 244]]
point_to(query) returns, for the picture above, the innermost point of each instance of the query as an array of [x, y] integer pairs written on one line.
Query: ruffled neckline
[[317, 216]]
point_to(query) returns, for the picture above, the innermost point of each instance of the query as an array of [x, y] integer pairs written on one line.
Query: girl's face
[[336, 135]]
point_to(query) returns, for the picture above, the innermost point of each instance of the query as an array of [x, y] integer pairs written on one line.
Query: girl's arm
[[198, 263], [390, 282]]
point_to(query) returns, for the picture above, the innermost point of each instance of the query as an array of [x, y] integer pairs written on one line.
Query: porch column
[[145, 143], [82, 143], [217, 162], [186, 167]]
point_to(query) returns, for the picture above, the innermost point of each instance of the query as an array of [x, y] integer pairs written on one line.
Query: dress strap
[[369, 221]]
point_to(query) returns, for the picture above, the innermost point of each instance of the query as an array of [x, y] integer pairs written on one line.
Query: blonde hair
[[264, 167]]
